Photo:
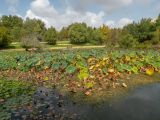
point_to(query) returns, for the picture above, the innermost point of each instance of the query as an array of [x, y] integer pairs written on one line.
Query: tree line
[[30, 32]]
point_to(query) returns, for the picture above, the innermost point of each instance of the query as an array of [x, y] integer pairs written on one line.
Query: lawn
[[60, 45]]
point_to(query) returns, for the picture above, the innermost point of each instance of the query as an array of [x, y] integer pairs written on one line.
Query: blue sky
[[59, 13]]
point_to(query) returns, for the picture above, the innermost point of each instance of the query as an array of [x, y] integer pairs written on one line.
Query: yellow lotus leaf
[[150, 71], [89, 85], [97, 65], [46, 78], [128, 58], [90, 60], [46, 67], [102, 63], [111, 70], [91, 76], [91, 68]]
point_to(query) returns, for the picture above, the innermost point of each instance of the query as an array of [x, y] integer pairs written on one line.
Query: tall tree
[[34, 26], [106, 33], [4, 37], [51, 36], [63, 34], [14, 25], [78, 33]]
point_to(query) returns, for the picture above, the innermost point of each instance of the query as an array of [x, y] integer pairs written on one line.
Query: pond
[[141, 104]]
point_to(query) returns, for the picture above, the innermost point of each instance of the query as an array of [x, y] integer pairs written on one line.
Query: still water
[[142, 104]]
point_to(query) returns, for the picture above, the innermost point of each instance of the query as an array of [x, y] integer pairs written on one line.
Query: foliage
[[84, 71], [13, 88], [11, 21], [84, 61], [78, 33], [114, 38], [142, 31], [156, 36], [30, 41], [4, 37], [33, 26], [95, 36], [51, 36], [13, 93], [63, 34], [127, 41], [14, 25], [105, 34]]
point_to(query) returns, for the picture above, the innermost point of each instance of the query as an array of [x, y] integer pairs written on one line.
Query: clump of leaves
[[13, 93], [13, 88]]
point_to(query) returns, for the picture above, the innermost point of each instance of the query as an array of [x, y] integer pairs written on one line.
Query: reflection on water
[[142, 104]]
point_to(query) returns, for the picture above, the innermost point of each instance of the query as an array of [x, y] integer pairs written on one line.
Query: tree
[[127, 41], [51, 36], [63, 34], [30, 41], [34, 26], [14, 25], [11, 21], [78, 33], [4, 37], [132, 29], [158, 22], [156, 37], [95, 36], [142, 30], [106, 33], [115, 37]]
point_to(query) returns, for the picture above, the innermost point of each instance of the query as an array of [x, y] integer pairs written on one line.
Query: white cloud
[[124, 21], [118, 24], [110, 23], [42, 9]]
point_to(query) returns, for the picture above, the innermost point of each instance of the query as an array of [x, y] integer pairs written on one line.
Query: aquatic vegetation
[[82, 70]]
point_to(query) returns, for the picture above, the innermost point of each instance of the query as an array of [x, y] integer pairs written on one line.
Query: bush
[[30, 41], [51, 36], [95, 37], [78, 33], [156, 38], [4, 37], [127, 41]]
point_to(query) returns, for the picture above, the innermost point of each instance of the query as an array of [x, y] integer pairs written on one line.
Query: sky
[[61, 13]]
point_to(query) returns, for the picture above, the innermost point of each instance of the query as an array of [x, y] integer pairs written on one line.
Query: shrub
[[51, 36], [4, 37], [30, 41], [78, 33], [95, 37], [156, 38], [127, 41]]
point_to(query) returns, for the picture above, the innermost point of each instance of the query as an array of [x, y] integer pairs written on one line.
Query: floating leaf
[[89, 85], [150, 71], [124, 85], [71, 69], [46, 78], [83, 74], [135, 69]]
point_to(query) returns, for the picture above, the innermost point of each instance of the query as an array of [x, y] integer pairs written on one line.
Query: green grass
[[16, 46]]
